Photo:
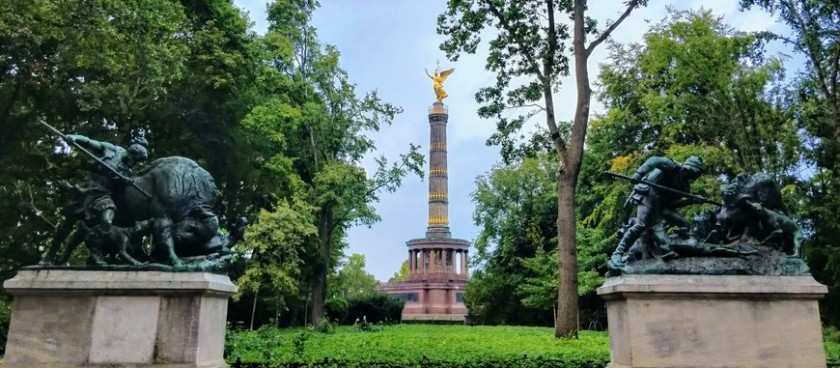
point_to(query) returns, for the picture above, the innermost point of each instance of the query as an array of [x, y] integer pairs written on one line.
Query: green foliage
[[275, 244], [402, 274], [324, 325], [352, 280], [831, 337], [526, 58], [540, 290], [100, 68], [274, 119], [449, 346], [365, 326], [814, 33], [516, 278], [258, 344], [373, 308], [311, 124], [5, 316], [299, 342], [336, 309], [695, 81], [437, 345]]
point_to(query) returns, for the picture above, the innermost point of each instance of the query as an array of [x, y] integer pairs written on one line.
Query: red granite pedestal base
[[430, 299]]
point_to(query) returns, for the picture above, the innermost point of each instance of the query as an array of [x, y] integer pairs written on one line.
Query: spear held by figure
[[698, 198], [97, 159]]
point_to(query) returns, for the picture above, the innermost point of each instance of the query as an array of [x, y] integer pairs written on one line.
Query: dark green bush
[[336, 310], [324, 325], [261, 343], [375, 308], [5, 316], [524, 362]]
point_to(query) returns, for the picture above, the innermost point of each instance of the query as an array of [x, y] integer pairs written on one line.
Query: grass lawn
[[832, 351], [412, 342]]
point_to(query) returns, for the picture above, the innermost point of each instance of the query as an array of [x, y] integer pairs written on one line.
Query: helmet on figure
[[138, 148], [694, 166]]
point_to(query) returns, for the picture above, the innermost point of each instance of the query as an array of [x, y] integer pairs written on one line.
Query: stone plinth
[[658, 321], [429, 300], [77, 318]]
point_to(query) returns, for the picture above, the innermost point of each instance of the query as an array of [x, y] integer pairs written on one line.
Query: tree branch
[[833, 70], [603, 36], [35, 210], [807, 47], [525, 105], [548, 96], [528, 53]]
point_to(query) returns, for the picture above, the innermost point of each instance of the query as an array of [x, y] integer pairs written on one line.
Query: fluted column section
[[438, 175], [411, 259]]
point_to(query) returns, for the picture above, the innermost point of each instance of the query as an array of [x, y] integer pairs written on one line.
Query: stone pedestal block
[[78, 318], [659, 321]]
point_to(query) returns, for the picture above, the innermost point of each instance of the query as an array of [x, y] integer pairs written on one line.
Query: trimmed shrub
[[524, 362], [5, 316], [336, 310], [425, 345], [375, 308], [324, 325]]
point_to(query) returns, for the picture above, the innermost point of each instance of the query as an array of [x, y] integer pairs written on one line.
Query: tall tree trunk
[[254, 308], [316, 306], [567, 298], [319, 286]]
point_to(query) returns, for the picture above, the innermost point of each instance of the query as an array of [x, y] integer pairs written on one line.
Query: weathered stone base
[[658, 321], [432, 299], [73, 318], [434, 317]]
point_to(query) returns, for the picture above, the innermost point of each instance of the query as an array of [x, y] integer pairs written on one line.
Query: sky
[[385, 46]]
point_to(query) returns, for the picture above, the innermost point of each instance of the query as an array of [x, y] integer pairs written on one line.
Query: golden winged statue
[[437, 78]]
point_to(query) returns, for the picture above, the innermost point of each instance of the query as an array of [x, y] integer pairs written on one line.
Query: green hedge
[[336, 309], [435, 345], [831, 337], [375, 308], [442, 346], [5, 315], [523, 362]]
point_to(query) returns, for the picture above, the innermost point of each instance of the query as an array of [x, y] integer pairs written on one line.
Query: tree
[[352, 280], [516, 214], [275, 248], [530, 46], [402, 274], [327, 139], [815, 34]]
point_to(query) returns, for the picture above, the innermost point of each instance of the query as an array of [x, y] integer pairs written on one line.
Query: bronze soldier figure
[[654, 205], [92, 202]]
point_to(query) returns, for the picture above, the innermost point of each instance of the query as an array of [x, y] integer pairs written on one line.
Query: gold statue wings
[[444, 74], [437, 80]]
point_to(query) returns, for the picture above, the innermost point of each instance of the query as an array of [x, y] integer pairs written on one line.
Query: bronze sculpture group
[[116, 213], [155, 218], [749, 233]]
